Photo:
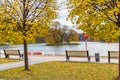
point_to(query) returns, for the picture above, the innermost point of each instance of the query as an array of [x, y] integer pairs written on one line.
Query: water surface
[[93, 47]]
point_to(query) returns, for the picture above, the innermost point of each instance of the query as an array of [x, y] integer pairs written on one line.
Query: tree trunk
[[118, 78], [119, 57], [25, 55], [24, 34]]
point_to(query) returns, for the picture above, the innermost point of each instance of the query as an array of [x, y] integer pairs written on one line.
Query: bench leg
[[108, 60], [6, 56], [89, 58], [21, 56], [108, 56], [67, 58]]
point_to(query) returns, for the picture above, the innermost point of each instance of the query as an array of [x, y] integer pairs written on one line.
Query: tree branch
[[10, 5], [17, 23], [34, 13], [105, 14]]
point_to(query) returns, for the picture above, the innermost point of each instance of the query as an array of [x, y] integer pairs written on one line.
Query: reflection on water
[[93, 47]]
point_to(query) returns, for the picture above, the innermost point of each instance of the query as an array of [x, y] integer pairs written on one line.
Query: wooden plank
[[77, 53]]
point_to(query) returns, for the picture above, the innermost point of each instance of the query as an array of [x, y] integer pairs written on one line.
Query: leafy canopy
[[98, 18], [25, 19]]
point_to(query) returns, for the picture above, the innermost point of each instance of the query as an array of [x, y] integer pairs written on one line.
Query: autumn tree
[[56, 25], [98, 18], [57, 36], [53, 36], [64, 31], [23, 20], [60, 33], [72, 36]]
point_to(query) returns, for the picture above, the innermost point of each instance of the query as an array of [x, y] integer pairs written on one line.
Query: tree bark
[[119, 58], [25, 55], [24, 34], [118, 78]]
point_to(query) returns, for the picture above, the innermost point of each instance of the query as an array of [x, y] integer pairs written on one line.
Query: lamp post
[[85, 36]]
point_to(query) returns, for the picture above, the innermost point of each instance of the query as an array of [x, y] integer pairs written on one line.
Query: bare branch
[[43, 8], [105, 14], [116, 16], [10, 5], [32, 4], [34, 12]]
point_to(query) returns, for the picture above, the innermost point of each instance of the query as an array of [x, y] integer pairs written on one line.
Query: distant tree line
[[59, 34]]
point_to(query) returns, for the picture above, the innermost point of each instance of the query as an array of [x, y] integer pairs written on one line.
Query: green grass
[[6, 60], [63, 71]]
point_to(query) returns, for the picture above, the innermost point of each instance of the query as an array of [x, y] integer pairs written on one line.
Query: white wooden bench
[[112, 55], [13, 52], [77, 53]]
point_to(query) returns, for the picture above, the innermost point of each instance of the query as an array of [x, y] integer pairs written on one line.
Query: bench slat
[[13, 52], [77, 53], [113, 55]]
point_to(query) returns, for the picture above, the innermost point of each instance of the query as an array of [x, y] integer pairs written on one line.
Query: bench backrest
[[113, 54], [12, 52], [77, 53]]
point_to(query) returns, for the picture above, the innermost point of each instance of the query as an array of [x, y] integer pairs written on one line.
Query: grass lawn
[[63, 71], [5, 60]]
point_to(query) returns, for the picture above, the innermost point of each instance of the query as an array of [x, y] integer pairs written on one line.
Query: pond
[[93, 47]]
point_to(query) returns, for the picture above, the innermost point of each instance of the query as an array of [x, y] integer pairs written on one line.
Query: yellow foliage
[[99, 18], [18, 21]]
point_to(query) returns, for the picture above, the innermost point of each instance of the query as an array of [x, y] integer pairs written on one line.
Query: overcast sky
[[63, 13]]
